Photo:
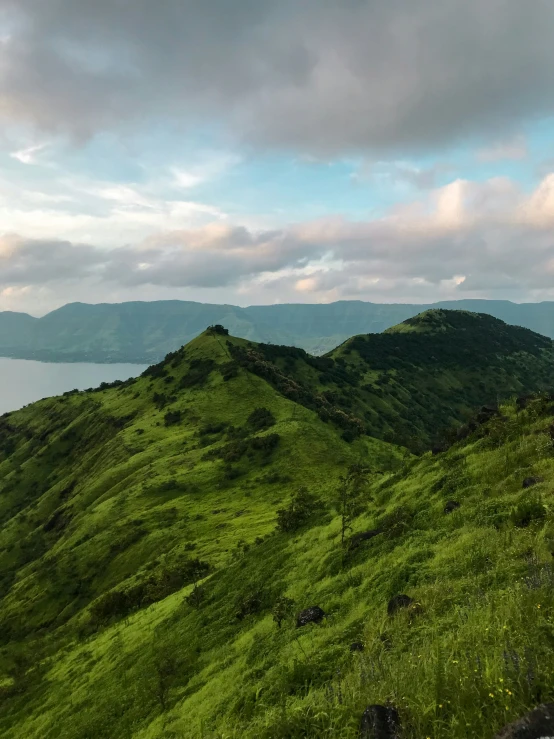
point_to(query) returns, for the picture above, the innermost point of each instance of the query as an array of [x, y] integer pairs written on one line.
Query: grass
[[127, 500]]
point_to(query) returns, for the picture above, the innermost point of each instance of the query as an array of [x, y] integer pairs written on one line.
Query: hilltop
[[144, 332], [413, 381], [161, 537]]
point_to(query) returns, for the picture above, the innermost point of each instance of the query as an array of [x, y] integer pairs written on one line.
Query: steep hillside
[[143, 332], [161, 540], [415, 380]]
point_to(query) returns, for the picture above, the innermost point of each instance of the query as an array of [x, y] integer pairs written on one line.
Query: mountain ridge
[[143, 332]]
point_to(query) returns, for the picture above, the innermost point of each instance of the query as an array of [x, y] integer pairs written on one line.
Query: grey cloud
[[322, 76], [37, 262]]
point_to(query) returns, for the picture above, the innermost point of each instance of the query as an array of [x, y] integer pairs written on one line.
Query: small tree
[[348, 502], [282, 609], [197, 572]]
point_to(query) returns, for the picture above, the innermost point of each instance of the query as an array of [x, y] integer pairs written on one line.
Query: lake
[[24, 381]]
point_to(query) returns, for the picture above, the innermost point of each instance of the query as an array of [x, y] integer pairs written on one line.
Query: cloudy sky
[[259, 152]]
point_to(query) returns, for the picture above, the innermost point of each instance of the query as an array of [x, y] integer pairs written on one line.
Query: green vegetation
[[152, 571]]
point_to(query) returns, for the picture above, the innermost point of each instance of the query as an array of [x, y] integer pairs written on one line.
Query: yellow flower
[[440, 705], [491, 695], [454, 661], [501, 679], [538, 605]]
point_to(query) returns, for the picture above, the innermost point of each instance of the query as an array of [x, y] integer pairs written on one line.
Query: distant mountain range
[[144, 332]]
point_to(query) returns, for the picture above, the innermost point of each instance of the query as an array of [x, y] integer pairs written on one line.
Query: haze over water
[[24, 381]]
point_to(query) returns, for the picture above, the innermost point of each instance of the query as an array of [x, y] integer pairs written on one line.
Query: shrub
[[265, 443], [282, 609], [248, 603], [199, 371], [229, 370], [261, 418], [527, 511], [302, 507], [172, 417], [218, 329]]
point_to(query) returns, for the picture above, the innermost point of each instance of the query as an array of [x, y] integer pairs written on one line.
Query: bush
[[261, 418], [229, 370], [199, 371], [527, 512], [172, 417], [218, 329], [282, 610], [249, 602], [301, 508], [164, 581], [265, 443]]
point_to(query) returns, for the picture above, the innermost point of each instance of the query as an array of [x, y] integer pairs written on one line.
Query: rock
[[398, 602], [537, 724], [380, 722], [311, 615], [451, 505], [357, 539], [530, 481], [357, 646]]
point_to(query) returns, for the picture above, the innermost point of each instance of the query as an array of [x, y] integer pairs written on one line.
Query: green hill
[[413, 381], [144, 332], [160, 536]]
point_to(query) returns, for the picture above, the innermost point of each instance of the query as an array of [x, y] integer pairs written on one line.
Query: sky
[[255, 152]]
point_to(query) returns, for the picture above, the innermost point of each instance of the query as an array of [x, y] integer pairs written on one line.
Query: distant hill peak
[[440, 319]]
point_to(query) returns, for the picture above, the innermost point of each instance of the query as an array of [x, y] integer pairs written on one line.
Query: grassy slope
[[143, 493], [410, 383], [480, 651]]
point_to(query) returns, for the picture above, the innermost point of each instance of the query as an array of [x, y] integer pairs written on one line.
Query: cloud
[[401, 175], [319, 76], [512, 149], [28, 154], [466, 239]]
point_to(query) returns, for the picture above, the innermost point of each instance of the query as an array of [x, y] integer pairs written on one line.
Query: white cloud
[[28, 154], [465, 239]]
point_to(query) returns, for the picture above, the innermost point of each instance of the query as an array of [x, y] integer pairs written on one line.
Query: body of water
[[23, 381]]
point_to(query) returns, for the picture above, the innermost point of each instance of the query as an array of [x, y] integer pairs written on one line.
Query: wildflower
[[491, 695], [440, 705], [501, 679], [454, 661], [538, 605]]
